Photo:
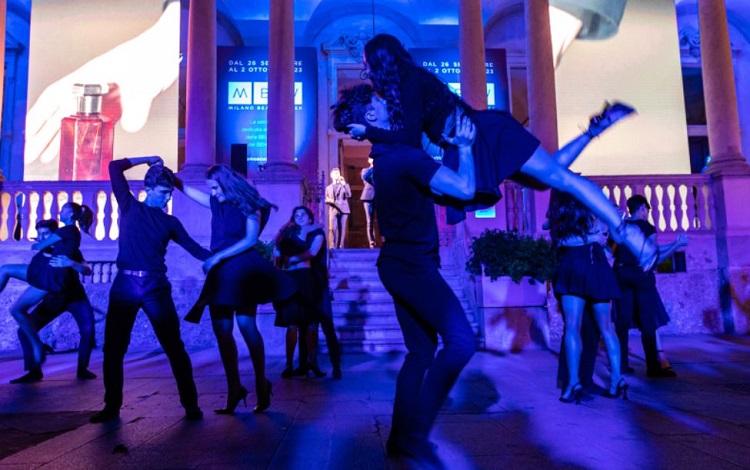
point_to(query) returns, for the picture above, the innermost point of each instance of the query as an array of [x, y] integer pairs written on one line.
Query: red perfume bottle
[[86, 137]]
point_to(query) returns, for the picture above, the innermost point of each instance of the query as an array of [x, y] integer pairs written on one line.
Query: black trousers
[[425, 307], [153, 294], [639, 306], [51, 307]]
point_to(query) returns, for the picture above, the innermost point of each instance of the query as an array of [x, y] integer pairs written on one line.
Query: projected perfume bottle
[[86, 137]]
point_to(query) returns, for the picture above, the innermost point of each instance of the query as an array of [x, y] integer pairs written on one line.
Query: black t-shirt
[[406, 212], [145, 231], [623, 256]]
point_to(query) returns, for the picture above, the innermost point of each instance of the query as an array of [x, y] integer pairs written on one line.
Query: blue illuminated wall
[[446, 65], [242, 102]]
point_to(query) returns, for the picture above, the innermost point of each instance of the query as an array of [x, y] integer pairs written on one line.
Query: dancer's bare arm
[[248, 241], [459, 184]]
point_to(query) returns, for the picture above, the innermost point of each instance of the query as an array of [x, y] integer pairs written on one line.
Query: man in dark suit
[[368, 201], [337, 200]]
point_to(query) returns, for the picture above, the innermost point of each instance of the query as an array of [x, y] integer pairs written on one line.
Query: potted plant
[[512, 270], [513, 267]]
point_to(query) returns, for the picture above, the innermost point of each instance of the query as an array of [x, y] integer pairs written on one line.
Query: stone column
[[281, 181], [730, 171], [471, 50], [3, 11], [200, 112], [540, 75], [724, 138]]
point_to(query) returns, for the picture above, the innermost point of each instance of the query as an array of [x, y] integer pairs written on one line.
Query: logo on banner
[[256, 93]]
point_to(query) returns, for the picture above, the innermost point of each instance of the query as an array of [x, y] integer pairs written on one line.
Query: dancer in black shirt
[[141, 283], [407, 181]]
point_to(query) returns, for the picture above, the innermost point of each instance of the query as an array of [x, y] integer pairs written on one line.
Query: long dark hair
[[568, 217], [387, 58], [291, 229], [241, 193], [82, 214]]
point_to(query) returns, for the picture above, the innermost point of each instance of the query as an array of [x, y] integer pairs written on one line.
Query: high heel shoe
[[233, 399], [645, 250], [576, 393], [316, 371], [264, 400], [300, 371], [287, 373], [610, 114], [621, 389]]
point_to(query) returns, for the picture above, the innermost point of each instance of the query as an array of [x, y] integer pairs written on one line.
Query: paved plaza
[[503, 413]]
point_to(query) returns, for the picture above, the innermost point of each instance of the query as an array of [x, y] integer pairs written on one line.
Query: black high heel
[[300, 371], [287, 373], [621, 389], [610, 114], [576, 393], [316, 371], [264, 400], [233, 401]]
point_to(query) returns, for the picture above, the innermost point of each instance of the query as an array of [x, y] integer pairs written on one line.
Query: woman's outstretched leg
[[15, 271], [572, 307], [256, 346], [19, 310], [604, 321], [542, 166]]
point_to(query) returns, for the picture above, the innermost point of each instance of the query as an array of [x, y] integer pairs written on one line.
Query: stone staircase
[[363, 312]]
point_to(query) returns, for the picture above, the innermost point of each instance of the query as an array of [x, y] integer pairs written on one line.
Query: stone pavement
[[503, 413]]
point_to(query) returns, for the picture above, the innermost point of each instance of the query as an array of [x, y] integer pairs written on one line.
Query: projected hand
[[137, 71]]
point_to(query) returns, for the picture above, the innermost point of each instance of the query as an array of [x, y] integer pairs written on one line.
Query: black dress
[[500, 148], [308, 305], [41, 275], [583, 271], [244, 280]]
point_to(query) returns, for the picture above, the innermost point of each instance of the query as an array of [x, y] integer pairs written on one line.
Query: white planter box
[[503, 292]]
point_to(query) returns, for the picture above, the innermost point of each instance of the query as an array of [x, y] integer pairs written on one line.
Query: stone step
[[372, 294]]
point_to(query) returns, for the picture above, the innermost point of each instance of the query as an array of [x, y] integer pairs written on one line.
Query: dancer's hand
[[465, 131], [155, 161], [210, 263], [61, 261], [357, 131]]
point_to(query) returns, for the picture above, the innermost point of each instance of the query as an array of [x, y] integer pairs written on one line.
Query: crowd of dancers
[[402, 103]]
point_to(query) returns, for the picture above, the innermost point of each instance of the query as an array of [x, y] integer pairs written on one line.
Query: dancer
[[141, 283], [419, 102], [584, 277], [71, 298], [640, 304], [368, 202], [42, 277], [407, 179], [239, 278], [300, 249]]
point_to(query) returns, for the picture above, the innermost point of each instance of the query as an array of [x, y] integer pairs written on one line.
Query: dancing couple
[[484, 147]]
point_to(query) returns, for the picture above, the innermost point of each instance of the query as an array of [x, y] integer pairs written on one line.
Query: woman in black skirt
[[301, 251], [419, 102], [43, 278], [239, 277], [584, 279]]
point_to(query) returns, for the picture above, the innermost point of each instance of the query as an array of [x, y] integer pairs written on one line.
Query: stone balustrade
[[23, 204]]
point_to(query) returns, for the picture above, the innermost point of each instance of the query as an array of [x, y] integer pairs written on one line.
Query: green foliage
[[265, 249], [498, 253]]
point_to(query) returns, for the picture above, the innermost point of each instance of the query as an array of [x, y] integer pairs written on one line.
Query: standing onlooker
[[368, 201], [337, 199]]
